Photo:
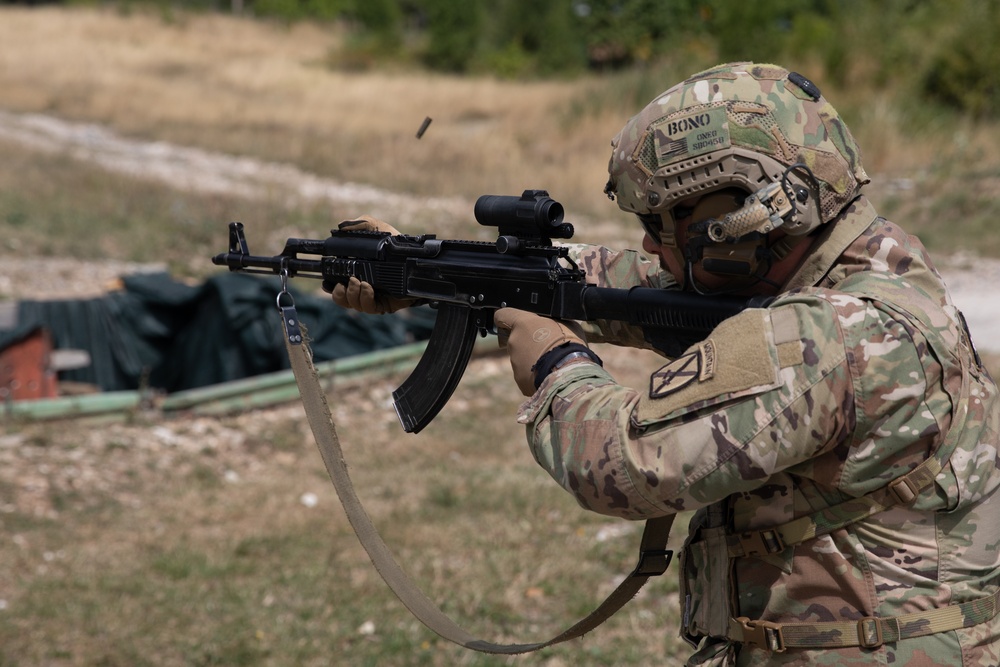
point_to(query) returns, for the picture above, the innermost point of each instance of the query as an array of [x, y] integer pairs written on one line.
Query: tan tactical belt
[[901, 491], [867, 632]]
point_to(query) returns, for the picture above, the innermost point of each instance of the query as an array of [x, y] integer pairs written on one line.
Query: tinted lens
[[652, 224], [681, 212]]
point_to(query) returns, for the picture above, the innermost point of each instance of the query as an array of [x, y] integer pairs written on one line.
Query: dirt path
[[198, 170]]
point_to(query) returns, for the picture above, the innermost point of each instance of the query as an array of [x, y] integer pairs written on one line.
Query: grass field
[[271, 92], [218, 541], [194, 542]]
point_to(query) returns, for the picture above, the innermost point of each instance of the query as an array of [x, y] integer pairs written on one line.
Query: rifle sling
[[653, 557]]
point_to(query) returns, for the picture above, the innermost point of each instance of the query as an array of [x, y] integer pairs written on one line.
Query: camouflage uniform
[[790, 430]]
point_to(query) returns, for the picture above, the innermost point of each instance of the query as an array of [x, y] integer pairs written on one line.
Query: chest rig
[[708, 593]]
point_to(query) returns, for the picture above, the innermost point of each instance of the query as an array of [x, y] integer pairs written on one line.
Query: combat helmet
[[756, 128]]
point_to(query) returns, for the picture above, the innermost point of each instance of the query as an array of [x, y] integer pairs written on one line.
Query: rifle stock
[[468, 281]]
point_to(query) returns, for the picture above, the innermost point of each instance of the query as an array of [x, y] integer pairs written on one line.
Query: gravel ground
[[206, 172], [63, 278]]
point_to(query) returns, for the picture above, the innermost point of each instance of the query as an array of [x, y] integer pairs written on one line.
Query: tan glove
[[361, 296], [367, 223], [527, 337]]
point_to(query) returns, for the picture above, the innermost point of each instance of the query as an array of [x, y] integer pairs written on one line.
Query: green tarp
[[161, 333]]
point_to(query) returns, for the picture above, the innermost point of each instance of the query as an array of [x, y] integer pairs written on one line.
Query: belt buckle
[[765, 634], [761, 542], [904, 490], [870, 632]]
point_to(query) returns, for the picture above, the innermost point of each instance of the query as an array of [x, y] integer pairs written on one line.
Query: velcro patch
[[738, 359], [697, 365], [692, 134]]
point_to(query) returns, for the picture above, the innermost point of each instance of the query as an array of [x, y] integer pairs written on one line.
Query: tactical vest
[[710, 552]]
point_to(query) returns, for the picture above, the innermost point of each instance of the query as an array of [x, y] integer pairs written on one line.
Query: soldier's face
[[776, 275], [668, 258]]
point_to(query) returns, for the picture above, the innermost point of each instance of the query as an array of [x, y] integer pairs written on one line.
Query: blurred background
[[132, 132]]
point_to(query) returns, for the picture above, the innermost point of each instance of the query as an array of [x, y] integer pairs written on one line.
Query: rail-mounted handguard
[[468, 281]]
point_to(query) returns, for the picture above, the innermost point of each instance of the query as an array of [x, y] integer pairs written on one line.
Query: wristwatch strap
[[559, 356]]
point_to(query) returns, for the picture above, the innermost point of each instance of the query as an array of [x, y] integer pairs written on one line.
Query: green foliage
[[382, 17], [751, 30], [371, 15], [942, 51], [964, 71], [513, 38], [622, 33], [546, 33], [452, 30]]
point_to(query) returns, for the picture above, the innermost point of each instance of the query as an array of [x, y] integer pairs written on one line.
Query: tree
[[453, 31]]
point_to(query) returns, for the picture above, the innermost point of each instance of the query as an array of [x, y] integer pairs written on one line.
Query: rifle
[[468, 281]]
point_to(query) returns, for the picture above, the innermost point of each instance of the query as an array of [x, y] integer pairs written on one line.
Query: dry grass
[[260, 89], [186, 541], [266, 90]]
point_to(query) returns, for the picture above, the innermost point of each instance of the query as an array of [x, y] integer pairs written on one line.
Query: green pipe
[[281, 394], [353, 364], [247, 393], [280, 387], [74, 406]]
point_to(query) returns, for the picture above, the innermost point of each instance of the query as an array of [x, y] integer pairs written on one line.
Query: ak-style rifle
[[468, 281]]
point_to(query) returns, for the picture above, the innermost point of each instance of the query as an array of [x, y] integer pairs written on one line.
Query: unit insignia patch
[[676, 375]]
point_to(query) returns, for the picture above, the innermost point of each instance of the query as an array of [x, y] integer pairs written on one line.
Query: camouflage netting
[[161, 333]]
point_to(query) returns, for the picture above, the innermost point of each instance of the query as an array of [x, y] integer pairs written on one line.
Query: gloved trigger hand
[[527, 337]]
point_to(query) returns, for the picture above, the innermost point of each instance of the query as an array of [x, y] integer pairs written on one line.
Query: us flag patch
[[671, 149]]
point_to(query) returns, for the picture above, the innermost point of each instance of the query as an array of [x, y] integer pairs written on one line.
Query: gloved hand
[[527, 337], [361, 296], [367, 223]]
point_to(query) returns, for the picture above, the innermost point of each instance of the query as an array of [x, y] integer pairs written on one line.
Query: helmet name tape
[[691, 134]]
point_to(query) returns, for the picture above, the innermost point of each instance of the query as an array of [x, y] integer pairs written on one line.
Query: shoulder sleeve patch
[[739, 358], [676, 375]]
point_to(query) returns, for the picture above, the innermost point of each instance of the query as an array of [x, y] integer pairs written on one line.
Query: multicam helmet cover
[[737, 125]]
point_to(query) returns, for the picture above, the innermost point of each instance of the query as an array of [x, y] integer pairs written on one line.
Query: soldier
[[839, 447]]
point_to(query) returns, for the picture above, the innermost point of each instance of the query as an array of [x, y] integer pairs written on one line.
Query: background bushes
[[942, 51]]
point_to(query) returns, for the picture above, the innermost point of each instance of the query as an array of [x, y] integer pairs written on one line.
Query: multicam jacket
[[840, 447]]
